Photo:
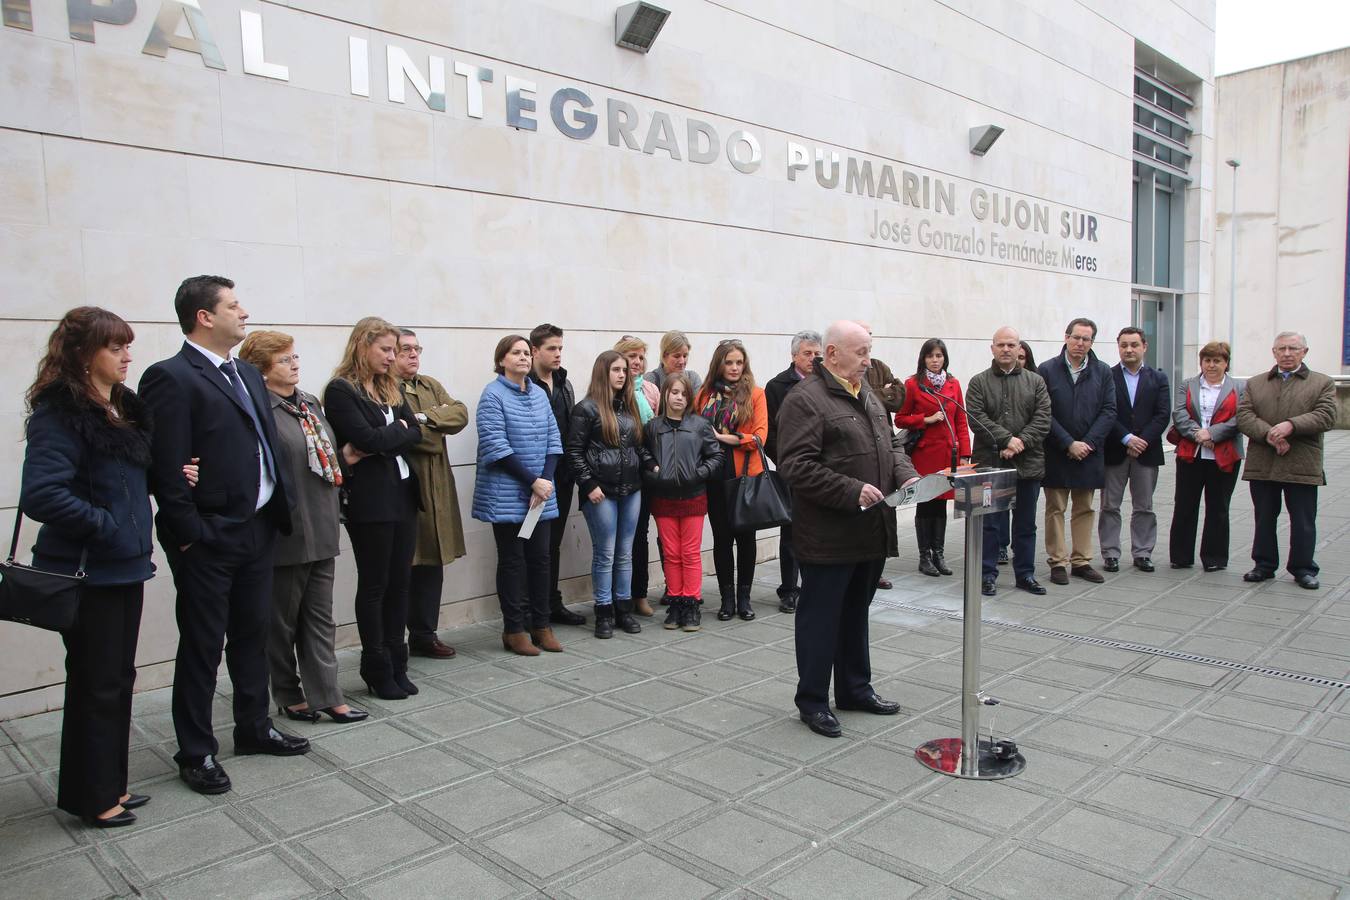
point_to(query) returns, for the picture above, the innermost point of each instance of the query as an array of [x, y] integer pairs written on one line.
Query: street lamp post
[[1232, 264]]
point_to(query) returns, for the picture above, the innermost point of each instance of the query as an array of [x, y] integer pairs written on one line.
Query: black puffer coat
[[686, 453], [84, 479], [615, 470]]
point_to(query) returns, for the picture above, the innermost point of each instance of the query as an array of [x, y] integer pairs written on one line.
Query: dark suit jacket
[[1148, 418], [197, 413], [372, 485]]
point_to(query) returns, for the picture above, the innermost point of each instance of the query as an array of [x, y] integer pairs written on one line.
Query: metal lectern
[[978, 492]]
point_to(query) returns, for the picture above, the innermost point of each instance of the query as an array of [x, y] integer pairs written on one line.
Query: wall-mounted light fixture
[[636, 25], [982, 137]]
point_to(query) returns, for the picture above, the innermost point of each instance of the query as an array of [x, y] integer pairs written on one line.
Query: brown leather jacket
[[829, 445]]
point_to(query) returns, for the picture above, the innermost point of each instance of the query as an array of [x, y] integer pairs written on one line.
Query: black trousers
[[383, 552], [831, 628], [733, 552], [224, 600], [424, 603], [100, 672], [557, 528], [788, 571], [522, 577], [1301, 501], [1201, 478], [641, 556]]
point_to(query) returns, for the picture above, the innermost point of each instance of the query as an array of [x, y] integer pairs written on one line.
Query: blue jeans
[[612, 523], [996, 533]]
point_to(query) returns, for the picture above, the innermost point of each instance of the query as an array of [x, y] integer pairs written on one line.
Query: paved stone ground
[[671, 765]]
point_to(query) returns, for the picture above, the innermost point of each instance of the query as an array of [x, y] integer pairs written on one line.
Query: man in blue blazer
[[1134, 452], [217, 536]]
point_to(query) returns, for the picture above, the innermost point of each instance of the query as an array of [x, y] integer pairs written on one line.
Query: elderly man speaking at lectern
[[837, 451]]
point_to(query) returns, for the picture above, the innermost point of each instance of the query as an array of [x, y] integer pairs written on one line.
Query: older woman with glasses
[[739, 414], [302, 632]]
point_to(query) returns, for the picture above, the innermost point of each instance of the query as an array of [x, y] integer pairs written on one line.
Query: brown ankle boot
[[544, 639], [643, 608], [519, 642]]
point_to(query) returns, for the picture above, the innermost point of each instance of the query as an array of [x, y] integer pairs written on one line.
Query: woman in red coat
[[934, 406]]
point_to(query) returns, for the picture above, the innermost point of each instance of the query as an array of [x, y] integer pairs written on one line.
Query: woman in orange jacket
[[739, 415]]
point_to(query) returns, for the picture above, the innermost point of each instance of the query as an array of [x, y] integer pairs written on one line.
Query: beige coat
[[440, 530], [1307, 400]]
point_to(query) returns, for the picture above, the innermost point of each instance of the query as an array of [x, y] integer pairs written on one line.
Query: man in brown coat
[[440, 532], [1285, 412], [838, 452]]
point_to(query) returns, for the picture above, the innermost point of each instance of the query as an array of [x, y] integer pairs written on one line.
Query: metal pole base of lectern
[[976, 495], [946, 755]]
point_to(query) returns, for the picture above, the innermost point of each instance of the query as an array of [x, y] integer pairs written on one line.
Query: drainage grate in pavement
[[1118, 645]]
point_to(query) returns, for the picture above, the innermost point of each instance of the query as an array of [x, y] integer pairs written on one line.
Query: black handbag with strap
[[31, 596], [758, 501]]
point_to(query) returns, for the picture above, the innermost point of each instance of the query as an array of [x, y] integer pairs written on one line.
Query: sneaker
[[1003, 556], [988, 588]]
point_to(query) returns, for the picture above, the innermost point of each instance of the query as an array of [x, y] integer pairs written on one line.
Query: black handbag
[[758, 501], [912, 438], [31, 596]]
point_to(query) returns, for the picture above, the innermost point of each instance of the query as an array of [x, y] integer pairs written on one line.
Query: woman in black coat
[[367, 410], [84, 479]]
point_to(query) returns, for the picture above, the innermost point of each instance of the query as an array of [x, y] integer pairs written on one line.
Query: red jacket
[[934, 450]]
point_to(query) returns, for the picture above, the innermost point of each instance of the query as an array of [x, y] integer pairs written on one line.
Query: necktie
[[237, 383]]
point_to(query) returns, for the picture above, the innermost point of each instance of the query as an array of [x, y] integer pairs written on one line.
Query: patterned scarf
[[318, 447], [720, 410], [936, 379]]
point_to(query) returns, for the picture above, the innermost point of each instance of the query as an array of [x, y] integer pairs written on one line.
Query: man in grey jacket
[[1010, 409]]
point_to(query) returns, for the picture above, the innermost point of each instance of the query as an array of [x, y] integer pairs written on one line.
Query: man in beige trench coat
[[440, 531]]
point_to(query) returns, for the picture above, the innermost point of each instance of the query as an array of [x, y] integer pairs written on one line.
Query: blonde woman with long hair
[[367, 410]]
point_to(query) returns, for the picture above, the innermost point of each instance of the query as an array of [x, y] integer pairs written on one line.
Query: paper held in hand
[[928, 487], [531, 520]]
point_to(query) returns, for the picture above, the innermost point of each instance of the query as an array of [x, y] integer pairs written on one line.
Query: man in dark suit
[[1134, 452], [218, 536]]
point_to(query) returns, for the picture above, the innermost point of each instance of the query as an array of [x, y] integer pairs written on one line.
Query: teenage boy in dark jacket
[[1082, 409]]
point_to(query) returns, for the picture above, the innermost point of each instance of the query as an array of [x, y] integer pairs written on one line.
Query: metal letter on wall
[[400, 65], [84, 13], [358, 51], [163, 34], [622, 119], [17, 13], [517, 104], [661, 136], [698, 131], [586, 121], [749, 164], [255, 61], [474, 77]]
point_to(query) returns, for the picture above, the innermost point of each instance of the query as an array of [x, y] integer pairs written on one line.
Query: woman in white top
[[1209, 455]]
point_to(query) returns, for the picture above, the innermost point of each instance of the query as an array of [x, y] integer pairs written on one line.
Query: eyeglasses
[[409, 351], [287, 360], [1286, 348]]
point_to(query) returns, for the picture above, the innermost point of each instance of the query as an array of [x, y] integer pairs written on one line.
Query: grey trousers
[[1143, 523], [302, 633]]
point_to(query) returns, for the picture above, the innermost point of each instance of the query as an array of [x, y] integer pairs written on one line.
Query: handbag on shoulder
[[758, 501], [31, 596]]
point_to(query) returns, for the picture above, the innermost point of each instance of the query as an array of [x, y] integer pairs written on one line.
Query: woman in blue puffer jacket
[[518, 451], [84, 479]]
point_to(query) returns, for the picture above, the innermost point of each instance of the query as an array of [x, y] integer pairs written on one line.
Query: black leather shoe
[[123, 818], [1144, 564], [1110, 563], [207, 777], [135, 801], [351, 715], [1214, 567], [873, 704], [298, 715], [988, 589], [787, 603], [564, 616], [823, 723], [1031, 586], [1258, 575], [1307, 581], [1181, 565], [275, 744]]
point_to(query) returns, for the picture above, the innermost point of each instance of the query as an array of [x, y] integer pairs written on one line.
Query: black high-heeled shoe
[[351, 715], [123, 818], [298, 715]]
